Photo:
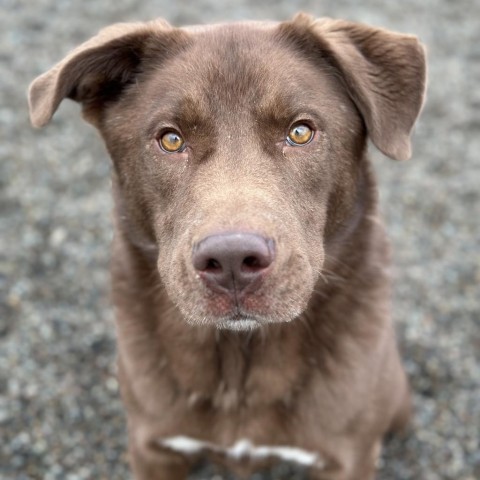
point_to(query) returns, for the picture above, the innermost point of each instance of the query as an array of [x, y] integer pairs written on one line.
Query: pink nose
[[233, 260]]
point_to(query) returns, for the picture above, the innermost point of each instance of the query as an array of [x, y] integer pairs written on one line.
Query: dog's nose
[[233, 260]]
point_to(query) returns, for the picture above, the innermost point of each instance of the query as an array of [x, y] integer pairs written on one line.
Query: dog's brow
[[180, 110], [276, 107], [191, 111]]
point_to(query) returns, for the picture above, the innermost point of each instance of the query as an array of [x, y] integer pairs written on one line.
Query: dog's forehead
[[240, 48], [255, 45], [241, 66]]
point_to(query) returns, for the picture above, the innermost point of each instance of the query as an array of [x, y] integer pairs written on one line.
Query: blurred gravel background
[[60, 414]]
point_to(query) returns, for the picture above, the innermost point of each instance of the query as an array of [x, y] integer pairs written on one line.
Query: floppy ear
[[383, 72], [98, 70]]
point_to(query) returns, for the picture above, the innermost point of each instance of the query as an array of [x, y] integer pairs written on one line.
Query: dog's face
[[264, 140], [238, 149]]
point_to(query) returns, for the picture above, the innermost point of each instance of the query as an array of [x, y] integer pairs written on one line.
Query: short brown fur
[[321, 371]]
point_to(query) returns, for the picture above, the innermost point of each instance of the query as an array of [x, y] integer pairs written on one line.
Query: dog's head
[[238, 149]]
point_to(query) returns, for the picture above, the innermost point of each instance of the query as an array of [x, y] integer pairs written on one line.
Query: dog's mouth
[[232, 312], [227, 316], [245, 313], [244, 310]]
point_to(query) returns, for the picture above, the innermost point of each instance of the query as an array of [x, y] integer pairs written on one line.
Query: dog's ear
[[383, 72], [98, 70]]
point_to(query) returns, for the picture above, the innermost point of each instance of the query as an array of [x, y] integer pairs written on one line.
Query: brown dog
[[250, 268]]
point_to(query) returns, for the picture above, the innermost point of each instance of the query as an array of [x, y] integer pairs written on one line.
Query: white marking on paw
[[243, 449]]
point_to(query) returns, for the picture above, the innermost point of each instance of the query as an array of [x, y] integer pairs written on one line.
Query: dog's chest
[[237, 374]]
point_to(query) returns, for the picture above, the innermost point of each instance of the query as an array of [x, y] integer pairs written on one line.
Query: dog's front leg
[[158, 465]]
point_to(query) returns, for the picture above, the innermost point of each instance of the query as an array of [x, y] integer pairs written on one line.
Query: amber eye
[[172, 142], [299, 134]]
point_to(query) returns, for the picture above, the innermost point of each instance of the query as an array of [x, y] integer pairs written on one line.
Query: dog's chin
[[235, 322], [238, 324]]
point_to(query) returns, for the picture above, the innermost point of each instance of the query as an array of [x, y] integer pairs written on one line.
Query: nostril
[[213, 266], [251, 263]]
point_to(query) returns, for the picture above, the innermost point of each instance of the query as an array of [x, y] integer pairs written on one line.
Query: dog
[[250, 267]]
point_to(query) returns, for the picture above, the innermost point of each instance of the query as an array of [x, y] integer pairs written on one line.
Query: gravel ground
[[60, 414]]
